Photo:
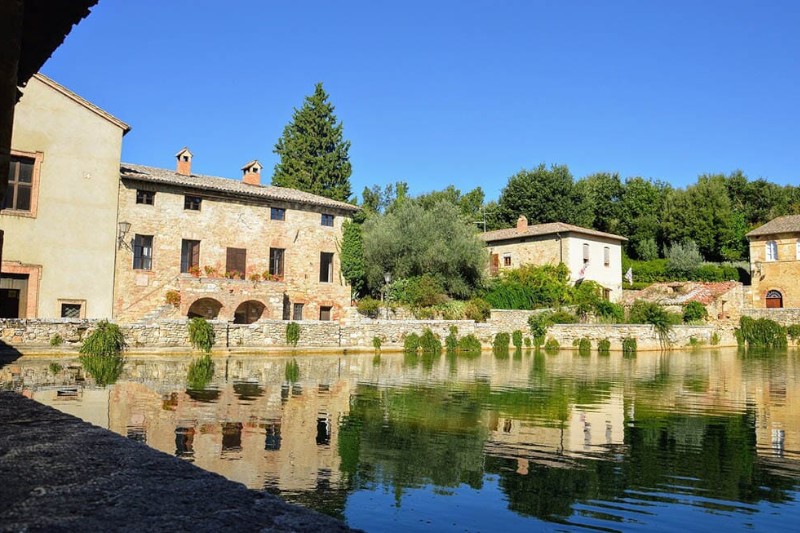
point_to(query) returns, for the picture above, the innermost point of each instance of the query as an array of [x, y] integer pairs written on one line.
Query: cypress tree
[[313, 154]]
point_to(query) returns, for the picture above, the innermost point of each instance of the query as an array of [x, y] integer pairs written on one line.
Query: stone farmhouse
[[589, 254], [60, 211], [228, 249], [775, 263]]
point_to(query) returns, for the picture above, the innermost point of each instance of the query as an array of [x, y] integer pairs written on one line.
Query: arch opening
[[207, 308], [248, 312]]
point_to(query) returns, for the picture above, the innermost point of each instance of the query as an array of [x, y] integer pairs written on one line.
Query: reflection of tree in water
[[325, 497], [104, 369], [200, 374]]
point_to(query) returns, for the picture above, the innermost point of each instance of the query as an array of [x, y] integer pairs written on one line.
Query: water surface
[[696, 440]]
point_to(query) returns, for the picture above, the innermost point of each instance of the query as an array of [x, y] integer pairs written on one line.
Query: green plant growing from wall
[[516, 338], [54, 368], [643, 312], [201, 334], [56, 340], [793, 332], [411, 343], [500, 344], [584, 346], [292, 333], [551, 346], [761, 333], [430, 343], [469, 345], [628, 347], [603, 346], [528, 342], [714, 339], [538, 324], [105, 341], [451, 341], [201, 372], [694, 312], [292, 372], [376, 343]]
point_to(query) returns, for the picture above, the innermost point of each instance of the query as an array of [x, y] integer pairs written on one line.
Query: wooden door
[[495, 264], [774, 300]]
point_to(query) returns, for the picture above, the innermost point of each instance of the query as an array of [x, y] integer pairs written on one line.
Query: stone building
[[589, 254], [775, 263], [60, 210], [235, 250]]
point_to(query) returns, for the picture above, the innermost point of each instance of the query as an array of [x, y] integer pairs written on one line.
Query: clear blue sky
[[453, 92]]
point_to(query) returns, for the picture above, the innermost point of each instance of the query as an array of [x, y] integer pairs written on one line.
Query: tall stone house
[[60, 211], [589, 254], [236, 250], [775, 263]]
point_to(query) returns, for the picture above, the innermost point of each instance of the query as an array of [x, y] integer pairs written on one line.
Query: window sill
[[18, 213]]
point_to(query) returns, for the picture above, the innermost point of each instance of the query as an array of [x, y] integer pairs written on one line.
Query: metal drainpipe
[[560, 247]]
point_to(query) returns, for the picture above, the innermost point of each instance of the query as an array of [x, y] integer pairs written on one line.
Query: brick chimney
[[522, 223], [184, 162], [252, 173]]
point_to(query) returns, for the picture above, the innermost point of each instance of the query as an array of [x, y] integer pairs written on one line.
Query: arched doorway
[[248, 312], [207, 308], [774, 300]]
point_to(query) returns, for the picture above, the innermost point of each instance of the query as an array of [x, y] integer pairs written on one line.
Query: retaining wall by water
[[357, 332], [784, 317]]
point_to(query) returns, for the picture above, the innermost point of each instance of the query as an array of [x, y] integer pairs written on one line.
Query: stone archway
[[207, 308], [774, 300], [248, 312]]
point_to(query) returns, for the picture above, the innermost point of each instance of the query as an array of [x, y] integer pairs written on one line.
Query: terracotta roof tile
[[236, 187], [543, 229], [787, 224]]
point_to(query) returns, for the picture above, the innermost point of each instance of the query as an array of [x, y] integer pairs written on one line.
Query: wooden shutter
[[236, 261]]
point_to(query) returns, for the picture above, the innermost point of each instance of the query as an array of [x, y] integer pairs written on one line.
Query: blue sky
[[453, 92]]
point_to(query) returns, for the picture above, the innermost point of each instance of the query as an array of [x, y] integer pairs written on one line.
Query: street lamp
[[387, 277]]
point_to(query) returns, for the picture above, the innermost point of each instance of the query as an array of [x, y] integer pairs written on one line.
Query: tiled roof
[[543, 229], [787, 224], [681, 293], [211, 183]]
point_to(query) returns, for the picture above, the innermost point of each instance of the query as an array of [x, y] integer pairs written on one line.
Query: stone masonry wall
[[784, 317]]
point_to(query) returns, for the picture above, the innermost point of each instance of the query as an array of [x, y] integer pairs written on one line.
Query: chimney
[[522, 223], [252, 173], [184, 162]]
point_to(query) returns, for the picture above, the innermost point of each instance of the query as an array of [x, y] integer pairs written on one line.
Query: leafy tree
[[410, 241], [641, 204], [313, 154], [602, 194], [683, 257], [647, 249], [353, 268], [542, 195]]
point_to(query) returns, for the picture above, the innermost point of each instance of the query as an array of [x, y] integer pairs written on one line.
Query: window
[[145, 197], [20, 184], [325, 312], [327, 220], [297, 312], [325, 267], [606, 256], [772, 251], [192, 203], [190, 255], [143, 252], [236, 261], [276, 262], [507, 260], [277, 213], [585, 252], [70, 310], [798, 250]]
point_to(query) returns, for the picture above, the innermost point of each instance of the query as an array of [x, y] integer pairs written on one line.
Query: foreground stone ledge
[[59, 473]]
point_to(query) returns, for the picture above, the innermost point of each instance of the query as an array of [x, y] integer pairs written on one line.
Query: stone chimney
[[184, 162], [252, 173], [522, 223]]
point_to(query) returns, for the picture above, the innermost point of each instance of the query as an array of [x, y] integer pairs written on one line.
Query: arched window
[[772, 251], [774, 300]]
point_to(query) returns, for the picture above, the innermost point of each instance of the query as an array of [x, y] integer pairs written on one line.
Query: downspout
[[560, 247]]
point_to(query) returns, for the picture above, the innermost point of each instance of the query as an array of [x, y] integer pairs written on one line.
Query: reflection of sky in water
[[695, 440]]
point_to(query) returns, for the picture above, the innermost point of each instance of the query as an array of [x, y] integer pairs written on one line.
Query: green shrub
[[200, 374], [538, 324], [54, 368], [714, 339], [376, 343], [584, 346], [762, 333], [369, 307], [643, 312], [56, 340], [411, 343], [585, 297], [694, 311], [469, 345], [477, 309], [563, 317], [603, 346], [610, 312], [794, 332], [527, 342], [516, 338], [423, 313], [683, 257], [429, 342], [201, 334], [628, 346], [291, 373], [452, 310], [551, 346], [106, 340], [418, 291], [451, 341], [530, 287], [292, 333], [501, 340]]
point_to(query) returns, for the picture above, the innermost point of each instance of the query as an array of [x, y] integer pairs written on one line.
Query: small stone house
[[194, 245], [589, 254], [775, 263]]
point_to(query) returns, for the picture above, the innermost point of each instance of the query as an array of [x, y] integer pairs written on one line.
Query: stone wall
[[784, 317]]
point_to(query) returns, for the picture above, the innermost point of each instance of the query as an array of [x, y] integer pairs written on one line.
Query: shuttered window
[[276, 262], [236, 261], [190, 255], [325, 267]]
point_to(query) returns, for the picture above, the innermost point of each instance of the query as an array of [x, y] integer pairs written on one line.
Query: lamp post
[[387, 277], [122, 230]]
